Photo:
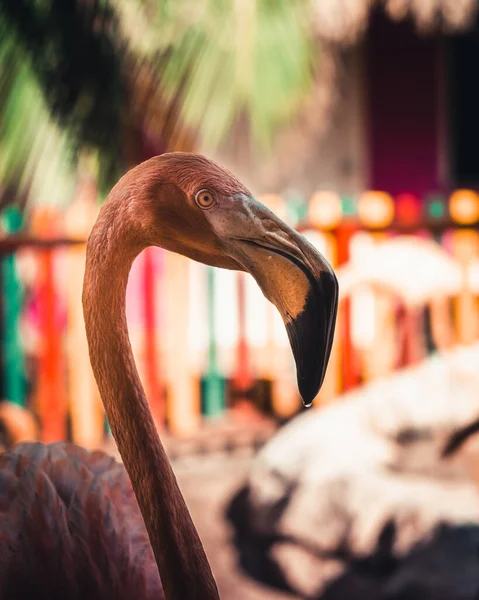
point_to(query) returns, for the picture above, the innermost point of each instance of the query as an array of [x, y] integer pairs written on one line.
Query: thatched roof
[[340, 25], [344, 21]]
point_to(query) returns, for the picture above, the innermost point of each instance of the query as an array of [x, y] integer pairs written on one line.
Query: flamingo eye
[[205, 199]]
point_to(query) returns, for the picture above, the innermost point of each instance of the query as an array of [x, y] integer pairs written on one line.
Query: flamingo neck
[[182, 563]]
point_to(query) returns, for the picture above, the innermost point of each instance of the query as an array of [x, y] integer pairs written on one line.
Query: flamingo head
[[197, 208]]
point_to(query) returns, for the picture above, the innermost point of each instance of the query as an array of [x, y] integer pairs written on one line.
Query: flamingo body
[[70, 527], [73, 523]]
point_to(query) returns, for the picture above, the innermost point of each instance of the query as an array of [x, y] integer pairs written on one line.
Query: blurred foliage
[[230, 58], [34, 152], [73, 71], [66, 50]]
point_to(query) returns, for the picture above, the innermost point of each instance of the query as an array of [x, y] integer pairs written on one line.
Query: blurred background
[[357, 122]]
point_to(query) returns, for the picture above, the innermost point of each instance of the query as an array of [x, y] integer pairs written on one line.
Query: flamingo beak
[[294, 276]]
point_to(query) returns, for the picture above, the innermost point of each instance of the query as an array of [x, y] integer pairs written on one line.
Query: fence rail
[[206, 340]]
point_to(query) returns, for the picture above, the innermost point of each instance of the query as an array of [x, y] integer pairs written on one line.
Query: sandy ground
[[208, 485]]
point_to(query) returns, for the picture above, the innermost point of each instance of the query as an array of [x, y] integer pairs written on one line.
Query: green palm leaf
[[231, 58], [34, 152], [217, 62]]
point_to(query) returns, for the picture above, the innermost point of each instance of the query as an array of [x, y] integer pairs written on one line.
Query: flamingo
[[79, 525]]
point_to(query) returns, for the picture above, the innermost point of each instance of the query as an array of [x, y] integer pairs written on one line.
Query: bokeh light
[[325, 210], [464, 206], [375, 209]]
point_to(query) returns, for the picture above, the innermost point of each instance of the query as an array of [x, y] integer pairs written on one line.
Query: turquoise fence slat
[[14, 376], [214, 385]]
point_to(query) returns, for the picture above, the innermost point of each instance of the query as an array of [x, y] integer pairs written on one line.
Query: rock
[[445, 567], [356, 489], [306, 573]]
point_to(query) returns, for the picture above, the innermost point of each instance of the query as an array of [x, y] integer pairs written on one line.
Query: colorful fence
[[206, 340]]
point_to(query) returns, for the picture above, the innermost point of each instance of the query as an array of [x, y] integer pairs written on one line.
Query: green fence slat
[[14, 376], [214, 385]]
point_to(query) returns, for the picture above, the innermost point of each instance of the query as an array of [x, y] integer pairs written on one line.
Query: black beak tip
[[308, 390], [311, 335]]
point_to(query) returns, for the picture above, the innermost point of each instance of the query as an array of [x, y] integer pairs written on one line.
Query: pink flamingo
[[71, 523]]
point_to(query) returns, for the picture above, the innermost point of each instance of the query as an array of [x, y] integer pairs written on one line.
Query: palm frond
[[230, 59], [34, 152], [200, 67]]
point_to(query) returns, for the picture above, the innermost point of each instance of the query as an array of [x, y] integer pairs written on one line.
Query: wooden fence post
[[350, 368], [155, 389], [183, 406], [50, 394], [465, 245], [86, 410], [214, 394], [243, 379], [14, 376]]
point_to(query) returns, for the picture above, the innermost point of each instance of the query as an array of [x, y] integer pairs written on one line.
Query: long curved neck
[[181, 560]]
